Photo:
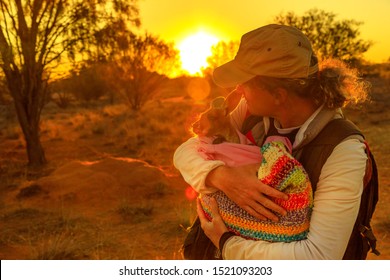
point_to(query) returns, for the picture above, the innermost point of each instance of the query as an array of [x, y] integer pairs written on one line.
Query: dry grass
[[148, 227]]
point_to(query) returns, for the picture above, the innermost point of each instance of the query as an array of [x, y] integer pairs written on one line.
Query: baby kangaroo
[[215, 122]]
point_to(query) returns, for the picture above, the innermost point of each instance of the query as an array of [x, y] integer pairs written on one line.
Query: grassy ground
[[93, 201]]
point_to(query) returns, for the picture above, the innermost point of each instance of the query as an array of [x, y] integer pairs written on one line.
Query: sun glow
[[194, 51]]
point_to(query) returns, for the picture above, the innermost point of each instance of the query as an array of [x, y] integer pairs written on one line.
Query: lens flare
[[190, 193]]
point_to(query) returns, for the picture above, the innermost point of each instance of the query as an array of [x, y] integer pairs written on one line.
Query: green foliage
[[330, 37]]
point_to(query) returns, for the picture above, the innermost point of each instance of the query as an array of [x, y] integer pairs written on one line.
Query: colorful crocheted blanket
[[280, 170]]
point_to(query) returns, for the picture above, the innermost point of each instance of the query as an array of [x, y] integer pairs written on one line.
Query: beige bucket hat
[[273, 50]]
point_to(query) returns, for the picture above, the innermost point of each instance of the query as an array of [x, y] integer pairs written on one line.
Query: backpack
[[314, 155]]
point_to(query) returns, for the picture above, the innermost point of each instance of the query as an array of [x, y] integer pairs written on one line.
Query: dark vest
[[314, 154]]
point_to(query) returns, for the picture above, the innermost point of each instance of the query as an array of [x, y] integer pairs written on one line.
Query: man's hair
[[334, 85]]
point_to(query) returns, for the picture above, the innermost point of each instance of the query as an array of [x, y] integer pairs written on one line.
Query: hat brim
[[230, 75]]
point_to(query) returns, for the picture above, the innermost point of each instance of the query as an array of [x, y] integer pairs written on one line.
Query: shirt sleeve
[[192, 166], [336, 205]]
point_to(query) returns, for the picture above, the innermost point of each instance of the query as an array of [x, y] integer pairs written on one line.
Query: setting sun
[[194, 51]]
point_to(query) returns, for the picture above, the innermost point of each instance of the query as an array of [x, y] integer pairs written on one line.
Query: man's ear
[[280, 95]]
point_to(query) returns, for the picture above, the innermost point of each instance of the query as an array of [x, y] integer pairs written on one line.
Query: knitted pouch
[[280, 170]]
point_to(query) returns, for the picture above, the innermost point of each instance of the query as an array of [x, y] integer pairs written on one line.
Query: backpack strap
[[368, 202], [363, 238]]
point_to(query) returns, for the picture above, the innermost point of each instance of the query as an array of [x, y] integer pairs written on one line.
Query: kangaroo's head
[[215, 121]]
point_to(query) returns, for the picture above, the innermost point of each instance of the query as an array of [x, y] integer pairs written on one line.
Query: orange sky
[[173, 20]]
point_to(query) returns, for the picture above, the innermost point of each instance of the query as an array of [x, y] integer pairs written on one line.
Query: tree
[[330, 37], [141, 68], [88, 83], [36, 34], [4, 93], [221, 53]]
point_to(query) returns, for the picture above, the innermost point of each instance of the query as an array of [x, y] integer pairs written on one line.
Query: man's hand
[[242, 186], [216, 227]]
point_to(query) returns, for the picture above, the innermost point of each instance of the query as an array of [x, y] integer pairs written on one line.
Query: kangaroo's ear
[[218, 103], [232, 100]]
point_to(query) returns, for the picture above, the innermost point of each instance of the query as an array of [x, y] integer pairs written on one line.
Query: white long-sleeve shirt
[[336, 200]]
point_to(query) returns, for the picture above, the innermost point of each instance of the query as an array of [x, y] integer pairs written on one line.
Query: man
[[281, 80]]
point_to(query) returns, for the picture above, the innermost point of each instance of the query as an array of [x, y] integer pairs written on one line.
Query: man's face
[[260, 101]]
